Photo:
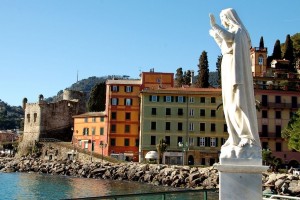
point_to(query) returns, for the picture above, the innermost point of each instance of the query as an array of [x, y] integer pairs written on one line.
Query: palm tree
[[161, 147]]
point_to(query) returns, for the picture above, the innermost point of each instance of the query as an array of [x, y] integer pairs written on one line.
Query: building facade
[[187, 119], [90, 132]]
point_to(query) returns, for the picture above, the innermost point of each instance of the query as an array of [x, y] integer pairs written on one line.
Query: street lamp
[[181, 145], [102, 145]]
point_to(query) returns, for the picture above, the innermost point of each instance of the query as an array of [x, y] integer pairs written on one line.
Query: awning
[[151, 155]]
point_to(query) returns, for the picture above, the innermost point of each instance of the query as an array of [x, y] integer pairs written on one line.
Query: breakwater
[[173, 176]]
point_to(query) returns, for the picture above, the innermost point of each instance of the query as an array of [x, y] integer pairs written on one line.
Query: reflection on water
[[33, 186]]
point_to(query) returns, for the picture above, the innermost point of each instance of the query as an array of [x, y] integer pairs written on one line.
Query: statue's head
[[229, 17]]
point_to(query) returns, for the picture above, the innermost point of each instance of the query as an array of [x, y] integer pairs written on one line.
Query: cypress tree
[[289, 52], [179, 78], [203, 72], [218, 67], [187, 77], [96, 101], [277, 50], [261, 43]]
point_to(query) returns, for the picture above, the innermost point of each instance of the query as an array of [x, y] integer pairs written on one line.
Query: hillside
[[10, 116]]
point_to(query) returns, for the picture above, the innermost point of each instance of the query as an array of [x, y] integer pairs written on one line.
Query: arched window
[[260, 60]]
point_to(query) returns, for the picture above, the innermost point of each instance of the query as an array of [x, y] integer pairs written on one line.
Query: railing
[[162, 195], [275, 196]]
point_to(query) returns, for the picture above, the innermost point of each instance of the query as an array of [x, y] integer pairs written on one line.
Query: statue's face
[[224, 21]]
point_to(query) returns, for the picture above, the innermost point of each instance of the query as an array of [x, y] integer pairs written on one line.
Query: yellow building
[[187, 119], [90, 132]]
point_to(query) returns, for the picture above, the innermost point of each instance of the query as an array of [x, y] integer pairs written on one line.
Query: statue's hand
[[212, 33], [212, 19]]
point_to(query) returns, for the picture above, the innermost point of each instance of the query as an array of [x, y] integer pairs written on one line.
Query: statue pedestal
[[240, 178]]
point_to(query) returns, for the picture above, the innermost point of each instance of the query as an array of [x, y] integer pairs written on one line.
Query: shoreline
[[184, 177]]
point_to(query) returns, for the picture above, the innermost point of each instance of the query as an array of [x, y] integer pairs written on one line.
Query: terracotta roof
[[90, 114], [127, 82], [181, 90]]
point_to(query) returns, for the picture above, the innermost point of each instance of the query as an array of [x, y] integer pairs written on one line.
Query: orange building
[[90, 132]]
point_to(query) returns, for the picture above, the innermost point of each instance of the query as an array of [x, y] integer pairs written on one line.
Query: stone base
[[240, 179]]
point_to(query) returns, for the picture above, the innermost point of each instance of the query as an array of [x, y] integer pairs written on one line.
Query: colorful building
[[90, 132], [187, 119]]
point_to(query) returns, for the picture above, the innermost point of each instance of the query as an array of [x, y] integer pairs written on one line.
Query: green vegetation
[[10, 116], [292, 132], [203, 71], [97, 98]]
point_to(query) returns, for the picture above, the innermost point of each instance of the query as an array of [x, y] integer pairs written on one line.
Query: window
[[180, 111], [114, 101], [180, 99], [264, 100], [93, 145], [79, 143], [191, 100], [179, 126], [153, 111], [153, 125], [278, 131], [28, 117], [265, 145], [168, 126], [278, 146], [112, 142], [202, 126], [191, 141], [294, 102], [137, 142], [127, 116], [113, 128], [101, 130], [260, 60], [128, 102], [191, 112], [86, 144], [34, 117], [127, 128], [212, 127], [101, 119], [115, 88], [213, 142], [202, 100], [213, 100], [179, 139], [168, 140], [264, 114], [154, 98], [93, 131], [277, 99], [264, 131], [213, 113], [202, 142], [191, 126], [85, 119], [153, 140], [225, 128], [168, 111], [126, 142], [202, 112], [85, 131], [168, 99], [278, 114], [94, 119], [114, 115], [128, 88]]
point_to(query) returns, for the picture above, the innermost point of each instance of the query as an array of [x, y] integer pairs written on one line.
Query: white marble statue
[[237, 86]]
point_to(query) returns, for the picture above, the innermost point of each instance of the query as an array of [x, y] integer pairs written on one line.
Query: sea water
[[33, 186]]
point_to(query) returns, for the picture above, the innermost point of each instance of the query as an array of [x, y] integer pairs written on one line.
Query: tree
[[292, 132], [277, 50], [296, 43], [187, 76], [203, 72], [179, 81], [96, 101], [261, 43], [288, 53], [161, 147], [270, 160], [218, 67]]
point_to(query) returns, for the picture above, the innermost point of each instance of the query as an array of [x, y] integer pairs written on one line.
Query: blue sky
[[43, 43]]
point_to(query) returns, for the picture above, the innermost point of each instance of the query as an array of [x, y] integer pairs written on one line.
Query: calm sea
[[32, 186]]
